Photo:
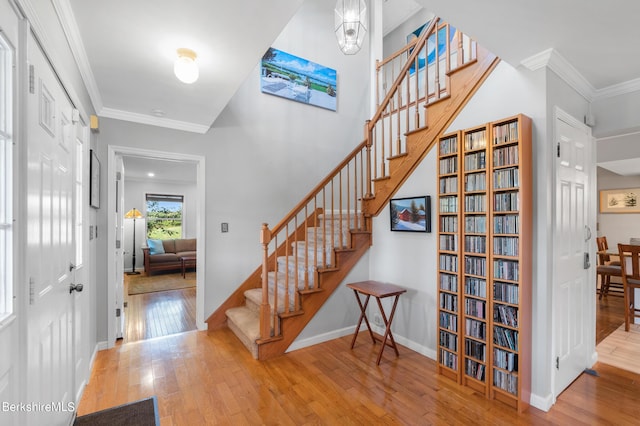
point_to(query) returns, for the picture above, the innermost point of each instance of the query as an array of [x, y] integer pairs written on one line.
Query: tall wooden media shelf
[[484, 254]]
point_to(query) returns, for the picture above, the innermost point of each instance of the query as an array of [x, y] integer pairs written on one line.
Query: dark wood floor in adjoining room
[[202, 378], [609, 316], [159, 313]]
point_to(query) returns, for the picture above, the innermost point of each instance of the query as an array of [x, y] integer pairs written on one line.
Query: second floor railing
[[305, 241]]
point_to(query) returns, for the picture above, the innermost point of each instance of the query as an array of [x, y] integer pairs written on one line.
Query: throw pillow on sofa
[[155, 246]]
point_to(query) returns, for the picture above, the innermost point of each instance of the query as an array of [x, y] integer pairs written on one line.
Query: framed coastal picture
[[411, 214], [620, 200], [297, 79]]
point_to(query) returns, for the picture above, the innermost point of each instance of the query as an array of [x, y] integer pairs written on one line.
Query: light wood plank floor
[[159, 313], [621, 349], [202, 378]]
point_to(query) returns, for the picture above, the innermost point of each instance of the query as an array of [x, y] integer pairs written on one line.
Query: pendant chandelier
[[350, 25]]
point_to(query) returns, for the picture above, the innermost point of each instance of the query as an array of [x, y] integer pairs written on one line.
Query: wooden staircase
[[420, 91]]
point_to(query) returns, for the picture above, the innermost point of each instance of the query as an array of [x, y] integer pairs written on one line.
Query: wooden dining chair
[[606, 267], [630, 262], [603, 251]]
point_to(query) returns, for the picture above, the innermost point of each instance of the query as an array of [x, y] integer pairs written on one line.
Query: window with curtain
[[164, 216], [6, 182]]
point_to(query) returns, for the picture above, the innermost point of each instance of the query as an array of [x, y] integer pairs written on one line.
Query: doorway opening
[[167, 191]]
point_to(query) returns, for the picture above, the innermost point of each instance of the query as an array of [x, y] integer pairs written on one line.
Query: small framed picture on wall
[[412, 214]]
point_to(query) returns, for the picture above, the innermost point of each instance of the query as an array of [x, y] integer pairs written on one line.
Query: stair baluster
[[308, 254]]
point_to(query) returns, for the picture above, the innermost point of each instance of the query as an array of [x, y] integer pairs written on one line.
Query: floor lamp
[[133, 214]]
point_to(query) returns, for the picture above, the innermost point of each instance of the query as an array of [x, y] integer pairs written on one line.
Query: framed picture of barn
[[411, 214]]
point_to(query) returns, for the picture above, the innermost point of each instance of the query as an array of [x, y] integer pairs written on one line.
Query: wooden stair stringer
[[464, 82], [328, 281], [218, 319]]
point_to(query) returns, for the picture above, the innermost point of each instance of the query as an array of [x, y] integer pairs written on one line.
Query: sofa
[[165, 255]]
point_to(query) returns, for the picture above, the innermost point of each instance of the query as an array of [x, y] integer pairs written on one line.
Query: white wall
[[618, 228], [264, 153], [410, 259], [397, 38], [135, 196], [616, 115]]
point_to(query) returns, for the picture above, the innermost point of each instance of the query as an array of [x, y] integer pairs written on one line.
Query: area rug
[[139, 413], [621, 349], [139, 284]]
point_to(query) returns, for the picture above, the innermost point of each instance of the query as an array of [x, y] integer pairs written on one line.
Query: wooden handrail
[[324, 219], [414, 54], [317, 188], [397, 53]]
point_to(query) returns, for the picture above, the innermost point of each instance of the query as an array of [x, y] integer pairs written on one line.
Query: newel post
[[368, 136], [265, 310]]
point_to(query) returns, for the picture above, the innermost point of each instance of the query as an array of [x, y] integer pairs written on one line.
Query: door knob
[[76, 287]]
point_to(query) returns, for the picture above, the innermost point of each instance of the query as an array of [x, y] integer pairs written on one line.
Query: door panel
[[50, 245], [570, 241]]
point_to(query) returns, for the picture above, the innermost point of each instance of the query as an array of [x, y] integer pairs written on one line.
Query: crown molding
[[72, 33], [557, 63], [551, 59], [153, 121], [618, 89]]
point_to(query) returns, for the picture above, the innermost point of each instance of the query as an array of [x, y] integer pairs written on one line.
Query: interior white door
[[10, 351], [571, 240], [50, 244], [81, 332], [119, 248]]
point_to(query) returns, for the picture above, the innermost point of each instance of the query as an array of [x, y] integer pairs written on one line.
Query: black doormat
[[139, 413]]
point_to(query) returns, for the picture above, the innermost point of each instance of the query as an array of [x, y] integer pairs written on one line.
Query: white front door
[[573, 295], [50, 244]]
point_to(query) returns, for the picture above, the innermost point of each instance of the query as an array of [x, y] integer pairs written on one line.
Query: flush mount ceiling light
[[350, 25], [185, 66]]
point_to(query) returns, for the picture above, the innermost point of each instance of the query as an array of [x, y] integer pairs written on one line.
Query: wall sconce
[[350, 25], [185, 67]]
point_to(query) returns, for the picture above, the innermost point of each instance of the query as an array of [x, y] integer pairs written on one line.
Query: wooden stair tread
[[397, 156], [311, 243], [245, 324]]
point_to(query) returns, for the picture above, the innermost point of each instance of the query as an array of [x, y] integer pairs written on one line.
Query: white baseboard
[[99, 346], [202, 325], [336, 334], [421, 349], [543, 403], [321, 338]]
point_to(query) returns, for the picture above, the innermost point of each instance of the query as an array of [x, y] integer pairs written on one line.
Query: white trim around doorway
[[113, 151]]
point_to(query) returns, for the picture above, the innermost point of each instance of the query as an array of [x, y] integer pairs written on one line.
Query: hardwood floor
[[609, 316], [202, 378], [159, 313]]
